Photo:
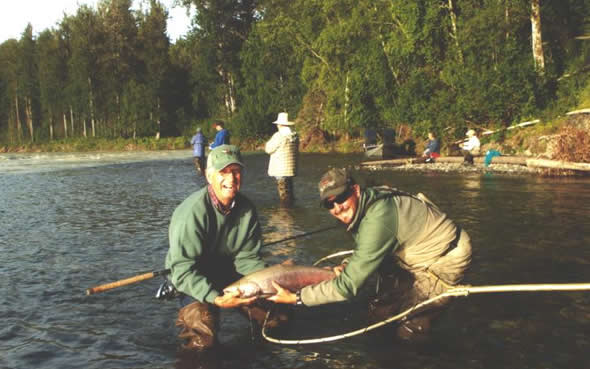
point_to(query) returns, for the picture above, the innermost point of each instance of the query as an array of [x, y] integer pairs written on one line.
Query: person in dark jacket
[[198, 141], [406, 240], [222, 135], [215, 239]]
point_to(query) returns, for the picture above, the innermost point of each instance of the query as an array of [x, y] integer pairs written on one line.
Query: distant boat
[[385, 150], [381, 151]]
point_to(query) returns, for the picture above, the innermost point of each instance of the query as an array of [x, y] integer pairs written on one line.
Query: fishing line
[[457, 291]]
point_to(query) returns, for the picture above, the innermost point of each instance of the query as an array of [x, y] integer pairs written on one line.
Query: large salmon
[[291, 277]]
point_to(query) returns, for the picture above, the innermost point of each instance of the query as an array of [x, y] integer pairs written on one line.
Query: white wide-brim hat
[[283, 120], [470, 133]]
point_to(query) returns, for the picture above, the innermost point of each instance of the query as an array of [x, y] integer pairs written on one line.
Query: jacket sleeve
[[217, 141], [186, 245], [376, 239], [274, 143]]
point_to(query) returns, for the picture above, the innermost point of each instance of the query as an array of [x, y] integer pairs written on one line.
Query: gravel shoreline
[[457, 168]]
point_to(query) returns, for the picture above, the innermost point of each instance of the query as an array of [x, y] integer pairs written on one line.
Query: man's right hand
[[232, 300], [339, 268]]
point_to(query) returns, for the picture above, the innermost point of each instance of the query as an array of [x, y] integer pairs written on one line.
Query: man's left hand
[[232, 300]]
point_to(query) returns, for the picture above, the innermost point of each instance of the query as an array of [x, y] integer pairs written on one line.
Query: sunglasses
[[338, 199]]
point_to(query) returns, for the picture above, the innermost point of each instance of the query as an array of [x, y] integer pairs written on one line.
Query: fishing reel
[[166, 291]]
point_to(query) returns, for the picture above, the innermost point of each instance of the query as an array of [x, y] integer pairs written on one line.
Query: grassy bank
[[79, 144], [566, 138]]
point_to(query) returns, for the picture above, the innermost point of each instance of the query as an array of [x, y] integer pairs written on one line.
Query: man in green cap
[[215, 239], [406, 240]]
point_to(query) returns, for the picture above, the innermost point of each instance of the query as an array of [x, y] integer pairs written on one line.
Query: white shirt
[[471, 144]]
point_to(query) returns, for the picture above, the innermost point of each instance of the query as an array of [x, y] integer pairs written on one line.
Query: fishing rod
[[150, 275], [456, 291], [302, 235]]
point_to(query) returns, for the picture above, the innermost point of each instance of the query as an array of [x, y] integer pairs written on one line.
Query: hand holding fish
[[232, 299], [283, 295], [338, 269]]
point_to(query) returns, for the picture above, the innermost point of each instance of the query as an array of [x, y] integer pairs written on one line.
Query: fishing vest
[[424, 232]]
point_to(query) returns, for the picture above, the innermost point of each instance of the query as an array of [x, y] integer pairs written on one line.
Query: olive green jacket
[[203, 241], [388, 225]]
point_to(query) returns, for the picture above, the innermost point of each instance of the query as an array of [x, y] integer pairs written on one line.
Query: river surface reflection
[[70, 222]]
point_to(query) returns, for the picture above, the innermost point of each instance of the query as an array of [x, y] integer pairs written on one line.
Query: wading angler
[[406, 240], [215, 239]]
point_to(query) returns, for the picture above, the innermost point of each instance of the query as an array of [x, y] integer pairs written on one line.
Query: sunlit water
[[73, 221]]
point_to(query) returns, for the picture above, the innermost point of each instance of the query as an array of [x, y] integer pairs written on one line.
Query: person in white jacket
[[470, 148], [283, 148]]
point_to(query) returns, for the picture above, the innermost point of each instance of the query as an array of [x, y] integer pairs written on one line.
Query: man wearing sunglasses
[[405, 240]]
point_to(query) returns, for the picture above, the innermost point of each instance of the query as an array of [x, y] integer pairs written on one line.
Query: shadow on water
[[73, 227]]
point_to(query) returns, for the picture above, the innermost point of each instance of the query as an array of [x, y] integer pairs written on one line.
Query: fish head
[[245, 290]]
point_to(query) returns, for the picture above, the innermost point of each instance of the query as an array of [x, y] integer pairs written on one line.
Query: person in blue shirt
[[221, 137], [432, 148], [198, 141], [431, 151]]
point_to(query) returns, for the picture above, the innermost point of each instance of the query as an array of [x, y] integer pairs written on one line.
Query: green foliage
[[271, 82], [427, 65]]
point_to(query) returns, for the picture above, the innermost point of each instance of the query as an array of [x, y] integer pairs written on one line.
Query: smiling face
[[226, 182], [345, 210]]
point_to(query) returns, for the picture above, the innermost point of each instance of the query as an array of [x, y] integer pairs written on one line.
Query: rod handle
[[120, 283]]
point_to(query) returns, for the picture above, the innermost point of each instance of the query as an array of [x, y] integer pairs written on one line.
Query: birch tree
[[28, 78], [226, 24], [86, 38], [9, 51], [536, 37], [153, 52]]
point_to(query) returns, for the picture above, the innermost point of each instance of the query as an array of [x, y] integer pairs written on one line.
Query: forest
[[338, 66]]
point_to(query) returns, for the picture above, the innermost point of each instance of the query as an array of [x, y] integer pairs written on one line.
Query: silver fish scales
[[291, 277]]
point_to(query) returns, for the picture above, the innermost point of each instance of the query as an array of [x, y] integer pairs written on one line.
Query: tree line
[[338, 65]]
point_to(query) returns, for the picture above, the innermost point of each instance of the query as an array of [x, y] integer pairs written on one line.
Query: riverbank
[[566, 139], [501, 164], [511, 169], [93, 144]]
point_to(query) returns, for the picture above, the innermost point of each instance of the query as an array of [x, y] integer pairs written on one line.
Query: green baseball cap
[[333, 183], [224, 155]]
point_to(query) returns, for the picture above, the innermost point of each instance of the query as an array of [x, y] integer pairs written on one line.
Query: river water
[[73, 221]]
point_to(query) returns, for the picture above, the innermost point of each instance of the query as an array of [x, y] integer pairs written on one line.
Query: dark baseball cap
[[224, 155], [333, 183]]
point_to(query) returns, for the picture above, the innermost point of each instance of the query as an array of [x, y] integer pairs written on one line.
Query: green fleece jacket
[[392, 225], [203, 241]]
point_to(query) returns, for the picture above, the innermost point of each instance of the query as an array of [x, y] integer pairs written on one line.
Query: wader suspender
[[425, 200]]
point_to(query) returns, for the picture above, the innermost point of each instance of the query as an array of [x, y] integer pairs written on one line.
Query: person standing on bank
[[283, 148], [215, 239], [470, 148], [222, 135], [406, 240], [198, 141]]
